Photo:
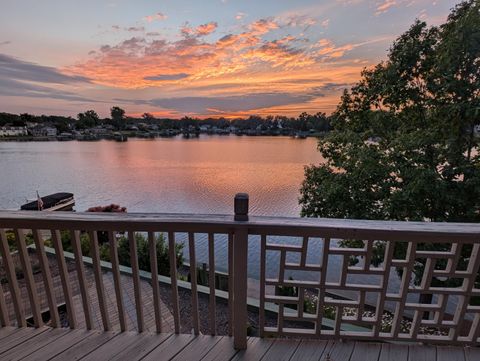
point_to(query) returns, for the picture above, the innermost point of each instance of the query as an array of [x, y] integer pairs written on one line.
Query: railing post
[[240, 252]]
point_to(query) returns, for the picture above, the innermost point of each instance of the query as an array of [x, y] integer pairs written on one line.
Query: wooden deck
[[110, 298], [64, 344]]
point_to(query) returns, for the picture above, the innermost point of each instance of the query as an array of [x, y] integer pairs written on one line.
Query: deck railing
[[380, 305]]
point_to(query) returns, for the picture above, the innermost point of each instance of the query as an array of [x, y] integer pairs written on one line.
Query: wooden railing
[[300, 288]]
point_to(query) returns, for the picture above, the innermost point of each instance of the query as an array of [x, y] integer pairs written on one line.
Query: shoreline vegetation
[[89, 127]]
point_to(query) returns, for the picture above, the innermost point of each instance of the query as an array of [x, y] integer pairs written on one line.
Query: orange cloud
[[289, 72], [263, 26], [201, 30], [329, 50]]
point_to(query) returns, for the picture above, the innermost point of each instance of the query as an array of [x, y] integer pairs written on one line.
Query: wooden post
[[240, 253]]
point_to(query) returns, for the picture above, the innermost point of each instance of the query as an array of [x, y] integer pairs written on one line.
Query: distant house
[[43, 131], [9, 131]]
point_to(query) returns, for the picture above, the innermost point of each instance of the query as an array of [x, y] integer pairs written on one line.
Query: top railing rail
[[296, 226]]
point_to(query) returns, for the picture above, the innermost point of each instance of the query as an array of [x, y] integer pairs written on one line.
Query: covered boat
[[52, 202]]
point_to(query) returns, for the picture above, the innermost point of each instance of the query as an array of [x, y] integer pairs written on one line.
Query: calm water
[[162, 175]]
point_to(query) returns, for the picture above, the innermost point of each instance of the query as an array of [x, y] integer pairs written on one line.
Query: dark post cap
[[241, 207]]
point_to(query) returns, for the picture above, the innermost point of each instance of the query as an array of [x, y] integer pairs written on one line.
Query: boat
[[53, 202]]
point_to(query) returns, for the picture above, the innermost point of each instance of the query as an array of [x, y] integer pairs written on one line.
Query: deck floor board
[[29, 344]]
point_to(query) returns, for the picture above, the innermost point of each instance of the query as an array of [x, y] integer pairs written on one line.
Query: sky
[[209, 58]]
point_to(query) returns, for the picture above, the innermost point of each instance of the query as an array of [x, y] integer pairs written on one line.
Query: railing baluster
[[97, 272], [12, 279], [211, 282], [47, 278], [193, 281], [4, 318], [28, 274], [403, 292], [152, 243], [65, 279], [321, 290], [173, 279], [77, 251], [116, 280], [263, 260], [389, 248], [136, 280], [230, 285]]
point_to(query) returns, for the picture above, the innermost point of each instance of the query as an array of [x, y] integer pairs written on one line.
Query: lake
[[180, 175]]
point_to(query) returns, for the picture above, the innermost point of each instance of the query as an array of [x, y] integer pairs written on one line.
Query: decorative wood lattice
[[415, 311]]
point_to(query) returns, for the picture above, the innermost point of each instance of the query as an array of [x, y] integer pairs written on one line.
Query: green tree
[[402, 145], [88, 119], [118, 117]]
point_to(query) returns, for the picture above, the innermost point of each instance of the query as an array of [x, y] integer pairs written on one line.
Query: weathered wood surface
[[224, 223], [65, 344]]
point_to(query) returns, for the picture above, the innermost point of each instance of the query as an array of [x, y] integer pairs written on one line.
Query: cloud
[[155, 17], [240, 16], [201, 30], [163, 77], [19, 78], [263, 26], [244, 56], [7, 42], [327, 49], [14, 68], [136, 28], [325, 23], [302, 21], [226, 104], [384, 6]]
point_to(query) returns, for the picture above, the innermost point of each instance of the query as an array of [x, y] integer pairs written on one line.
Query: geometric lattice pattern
[[397, 290]]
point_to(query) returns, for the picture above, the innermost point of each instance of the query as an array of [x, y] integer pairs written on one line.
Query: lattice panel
[[439, 307]]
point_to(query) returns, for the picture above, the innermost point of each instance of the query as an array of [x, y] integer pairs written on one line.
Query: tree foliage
[[118, 117], [88, 119], [402, 145]]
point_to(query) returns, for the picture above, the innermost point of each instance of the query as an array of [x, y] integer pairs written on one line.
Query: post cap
[[241, 207]]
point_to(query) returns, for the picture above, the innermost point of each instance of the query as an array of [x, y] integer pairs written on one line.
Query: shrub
[[163, 257]]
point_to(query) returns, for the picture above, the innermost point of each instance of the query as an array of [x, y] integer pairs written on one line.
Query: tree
[[88, 119], [118, 117], [402, 145], [148, 117]]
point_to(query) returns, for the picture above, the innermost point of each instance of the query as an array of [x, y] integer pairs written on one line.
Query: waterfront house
[[43, 131], [11, 131]]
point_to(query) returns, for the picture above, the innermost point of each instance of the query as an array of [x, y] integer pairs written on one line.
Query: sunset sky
[[199, 58]]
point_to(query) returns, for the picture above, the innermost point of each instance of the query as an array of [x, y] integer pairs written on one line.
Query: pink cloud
[[155, 17], [384, 6], [240, 16]]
